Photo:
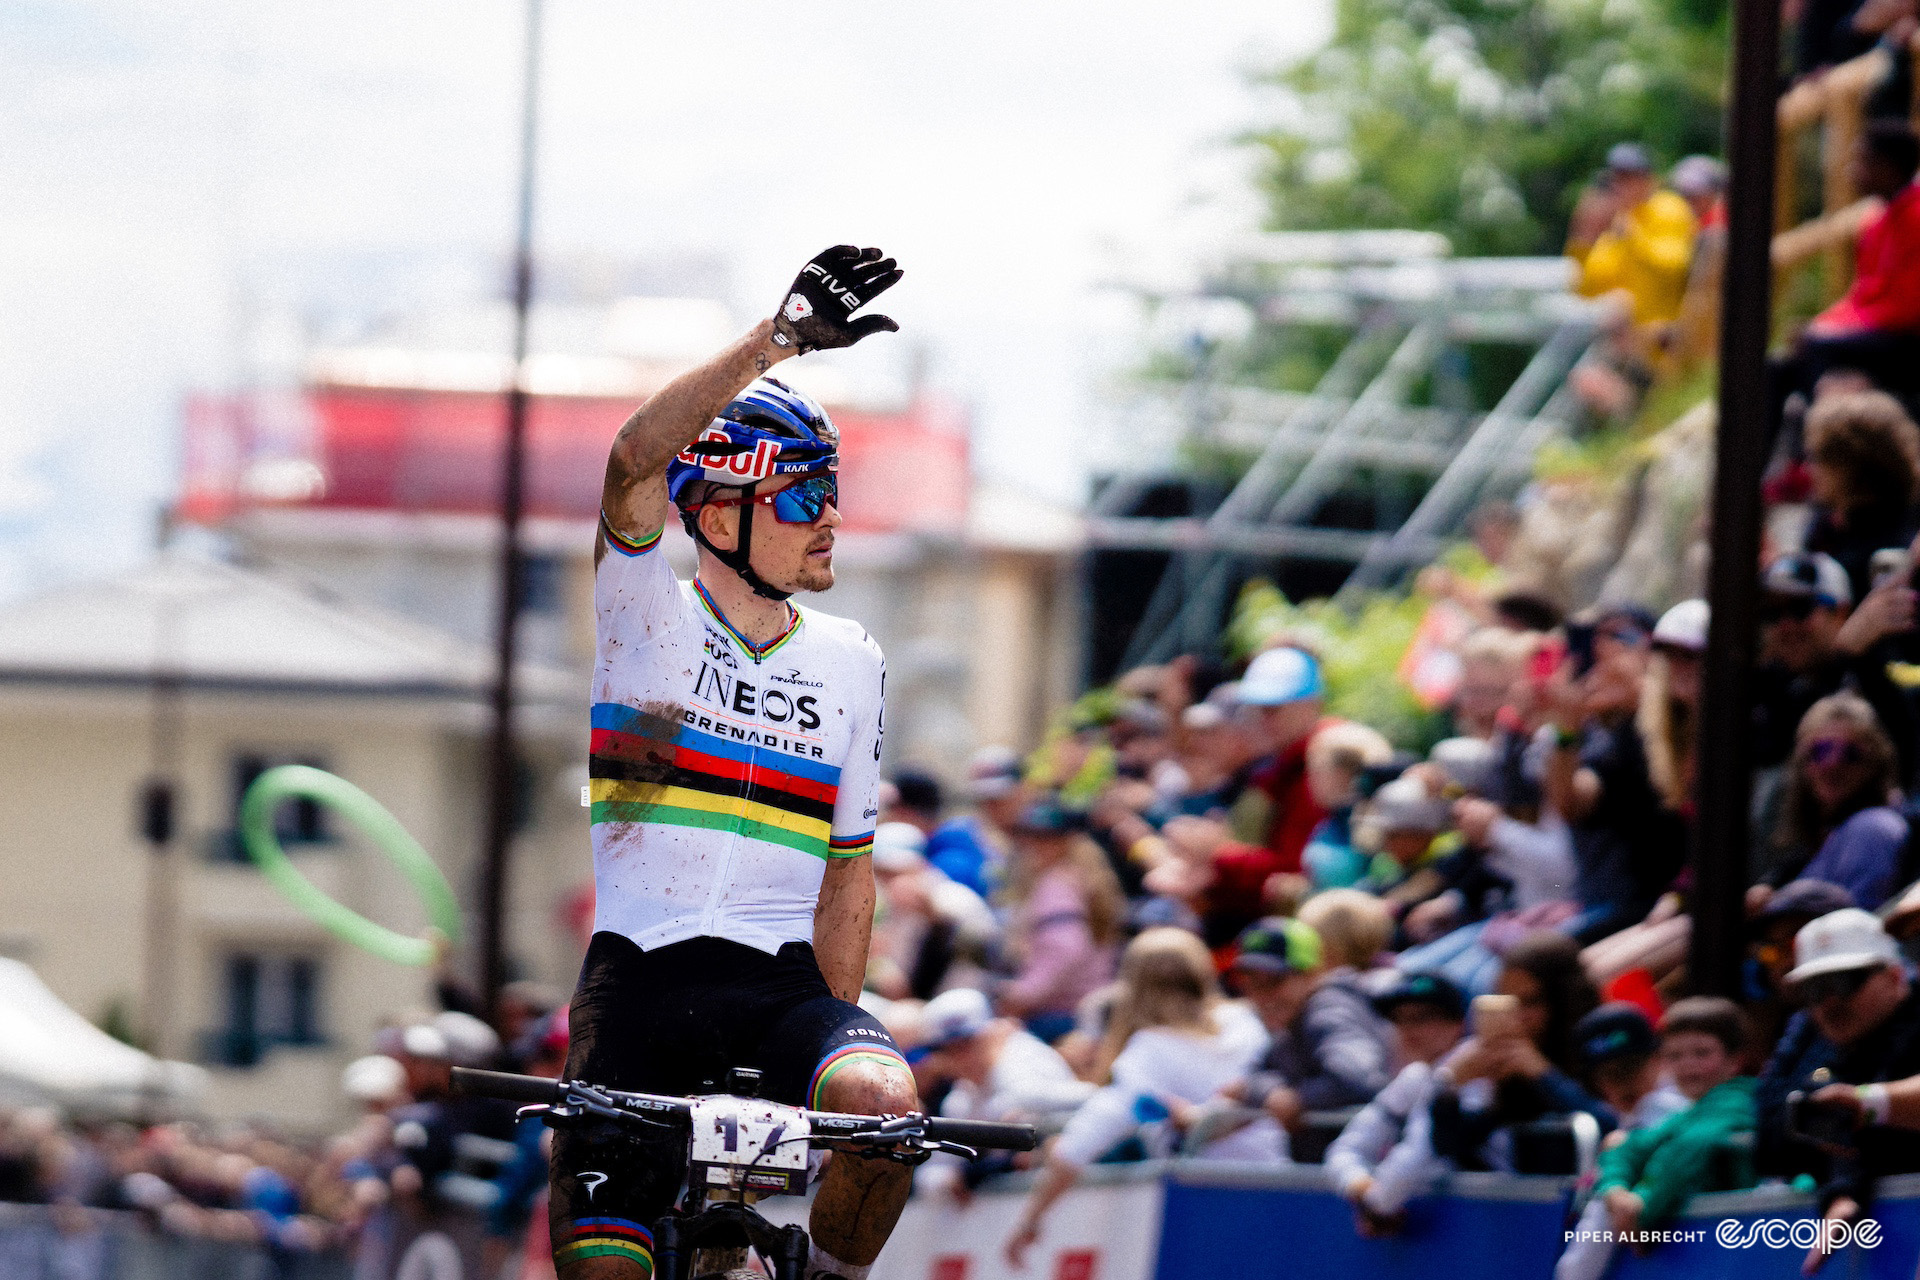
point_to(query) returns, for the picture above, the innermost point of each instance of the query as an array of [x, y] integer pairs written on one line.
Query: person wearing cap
[[1860, 1027], [1771, 931], [1401, 825], [1646, 1177], [998, 1072], [1330, 1049], [1813, 643], [1285, 690], [1618, 1050], [1630, 236], [1384, 1155]]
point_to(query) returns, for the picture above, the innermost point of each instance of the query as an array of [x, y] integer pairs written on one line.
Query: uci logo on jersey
[[756, 464]]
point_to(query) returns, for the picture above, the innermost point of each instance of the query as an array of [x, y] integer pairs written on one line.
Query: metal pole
[[1741, 448], [501, 757]]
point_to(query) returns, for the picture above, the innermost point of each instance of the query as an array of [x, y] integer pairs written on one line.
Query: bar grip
[[983, 1135], [507, 1086]]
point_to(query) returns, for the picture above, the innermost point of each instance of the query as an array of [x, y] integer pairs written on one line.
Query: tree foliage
[[1482, 119]]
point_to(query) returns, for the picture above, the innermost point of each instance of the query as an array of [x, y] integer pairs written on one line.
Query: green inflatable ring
[[263, 846]]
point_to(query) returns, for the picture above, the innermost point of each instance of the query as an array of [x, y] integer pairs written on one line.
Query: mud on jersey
[[723, 776]]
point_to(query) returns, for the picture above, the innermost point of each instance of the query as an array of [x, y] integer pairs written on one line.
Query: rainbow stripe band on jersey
[[649, 768], [850, 846], [629, 546], [759, 653], [606, 1238], [830, 1066]]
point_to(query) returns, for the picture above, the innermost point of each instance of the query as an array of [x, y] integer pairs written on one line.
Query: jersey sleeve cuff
[[850, 846], [629, 546]]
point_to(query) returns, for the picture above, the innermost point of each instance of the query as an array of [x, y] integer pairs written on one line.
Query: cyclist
[[735, 764]]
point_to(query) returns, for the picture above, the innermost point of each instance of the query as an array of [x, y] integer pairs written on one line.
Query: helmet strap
[[740, 558]]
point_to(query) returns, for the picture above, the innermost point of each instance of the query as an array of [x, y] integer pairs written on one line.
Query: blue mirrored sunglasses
[[799, 503]]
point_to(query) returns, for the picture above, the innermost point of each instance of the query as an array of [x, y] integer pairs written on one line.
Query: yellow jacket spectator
[[1629, 235]]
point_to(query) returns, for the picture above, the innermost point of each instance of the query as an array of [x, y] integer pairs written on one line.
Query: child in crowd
[[1646, 1178], [1620, 1052], [1336, 757], [1170, 1040], [1384, 1157]]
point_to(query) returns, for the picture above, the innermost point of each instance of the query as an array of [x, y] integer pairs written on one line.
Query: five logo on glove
[[848, 298]]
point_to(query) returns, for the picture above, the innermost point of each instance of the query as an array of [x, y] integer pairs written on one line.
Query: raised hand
[[818, 309]]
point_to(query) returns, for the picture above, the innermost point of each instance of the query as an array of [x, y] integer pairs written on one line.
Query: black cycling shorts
[[674, 1020]]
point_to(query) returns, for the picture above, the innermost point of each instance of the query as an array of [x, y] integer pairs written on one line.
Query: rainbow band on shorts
[[884, 1054], [606, 1238]]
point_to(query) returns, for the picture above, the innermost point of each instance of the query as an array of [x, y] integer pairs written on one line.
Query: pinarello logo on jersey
[[741, 468]]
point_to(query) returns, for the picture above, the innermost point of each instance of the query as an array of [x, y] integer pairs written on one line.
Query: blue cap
[[1280, 676]]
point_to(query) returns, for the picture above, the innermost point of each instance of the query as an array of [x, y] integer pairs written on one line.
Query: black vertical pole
[[501, 757], [1741, 449]]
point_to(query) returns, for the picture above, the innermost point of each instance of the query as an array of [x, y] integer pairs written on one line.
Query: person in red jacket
[[1285, 688], [1875, 327]]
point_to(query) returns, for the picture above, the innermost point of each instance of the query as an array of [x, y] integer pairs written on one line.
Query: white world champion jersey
[[723, 776]]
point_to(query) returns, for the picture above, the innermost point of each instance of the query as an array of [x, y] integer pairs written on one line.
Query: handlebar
[[827, 1125], [508, 1087], [983, 1134]]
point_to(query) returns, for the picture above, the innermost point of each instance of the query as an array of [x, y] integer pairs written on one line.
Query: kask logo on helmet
[[754, 464]]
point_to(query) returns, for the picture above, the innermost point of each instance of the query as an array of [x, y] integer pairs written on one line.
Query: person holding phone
[[1627, 844], [1519, 1063], [1859, 1028]]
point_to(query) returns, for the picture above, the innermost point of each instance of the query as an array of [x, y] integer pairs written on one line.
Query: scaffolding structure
[[1408, 308]]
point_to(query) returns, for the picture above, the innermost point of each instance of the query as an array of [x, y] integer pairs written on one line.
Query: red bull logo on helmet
[[740, 468]]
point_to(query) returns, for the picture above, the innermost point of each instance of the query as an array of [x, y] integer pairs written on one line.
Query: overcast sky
[[179, 174]]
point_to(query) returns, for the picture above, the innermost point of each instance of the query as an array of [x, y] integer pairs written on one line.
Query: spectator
[[1285, 689], [1811, 647], [1875, 326], [929, 933], [1668, 721], [1329, 1048], [1065, 909], [1354, 928], [1170, 1040], [972, 849], [1519, 1069], [1618, 1048], [1837, 821], [1647, 1178], [1630, 236], [1401, 824], [1860, 1026], [1627, 845], [1336, 758], [1384, 1156], [998, 1072], [1770, 954], [1863, 463]]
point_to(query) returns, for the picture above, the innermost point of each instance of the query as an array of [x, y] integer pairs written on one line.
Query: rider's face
[[790, 557]]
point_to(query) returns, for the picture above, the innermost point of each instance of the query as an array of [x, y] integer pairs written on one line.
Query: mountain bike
[[741, 1148]]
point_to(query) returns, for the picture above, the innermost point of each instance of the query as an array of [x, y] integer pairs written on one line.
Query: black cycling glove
[[818, 310]]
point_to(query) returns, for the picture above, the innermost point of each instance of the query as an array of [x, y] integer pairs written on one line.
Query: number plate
[[749, 1144]]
